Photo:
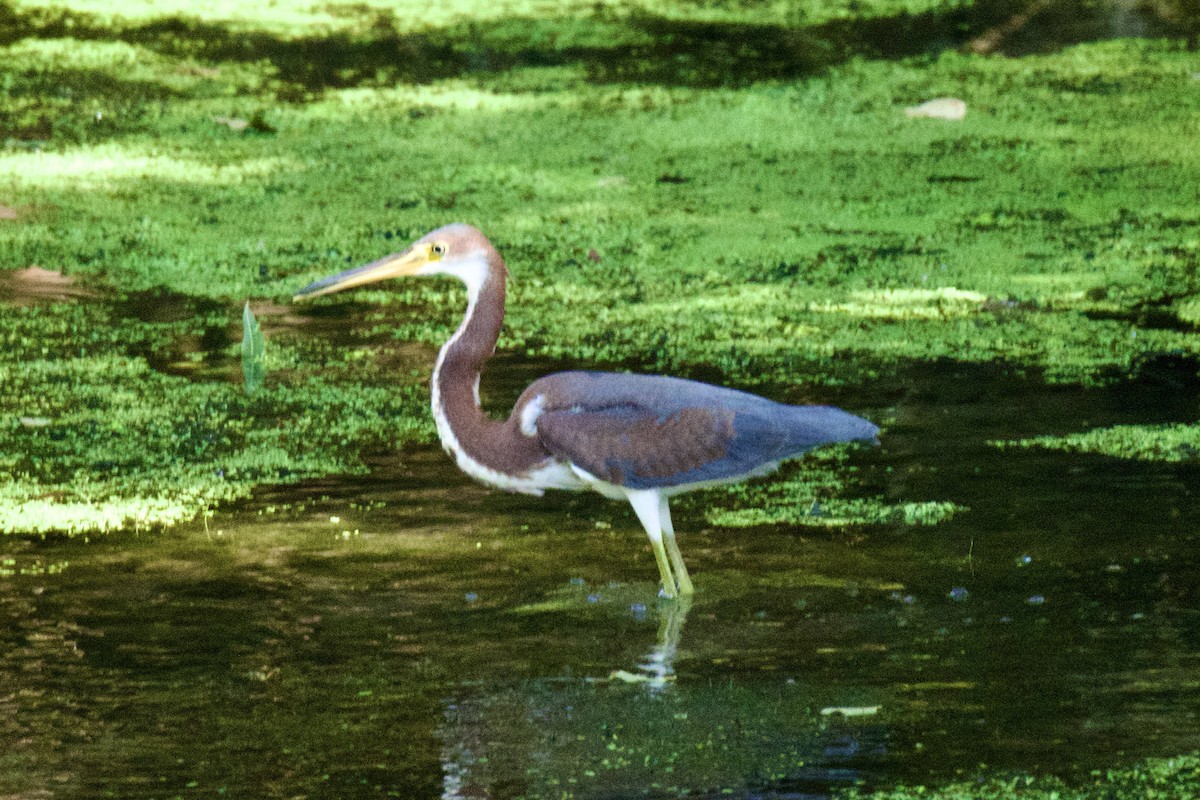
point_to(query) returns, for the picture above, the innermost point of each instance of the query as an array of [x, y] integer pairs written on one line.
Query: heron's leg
[[682, 579], [646, 505]]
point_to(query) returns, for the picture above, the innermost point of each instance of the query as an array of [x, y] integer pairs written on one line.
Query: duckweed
[[765, 215], [1168, 443], [813, 496], [125, 447], [1156, 777], [664, 225]]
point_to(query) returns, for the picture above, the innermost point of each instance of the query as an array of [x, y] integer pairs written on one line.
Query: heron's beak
[[407, 262]]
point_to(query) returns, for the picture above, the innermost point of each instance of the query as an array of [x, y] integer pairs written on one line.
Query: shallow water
[[410, 634]]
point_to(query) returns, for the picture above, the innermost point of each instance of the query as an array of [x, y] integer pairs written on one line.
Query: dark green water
[[440, 640]]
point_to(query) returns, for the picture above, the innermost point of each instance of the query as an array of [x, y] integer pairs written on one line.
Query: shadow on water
[[651, 48]]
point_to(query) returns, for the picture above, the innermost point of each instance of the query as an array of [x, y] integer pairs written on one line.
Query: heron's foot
[[682, 594], [676, 583]]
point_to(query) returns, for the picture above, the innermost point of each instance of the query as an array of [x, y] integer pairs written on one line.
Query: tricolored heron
[[640, 438]]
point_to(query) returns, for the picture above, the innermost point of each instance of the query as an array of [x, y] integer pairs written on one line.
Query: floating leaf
[[254, 352]]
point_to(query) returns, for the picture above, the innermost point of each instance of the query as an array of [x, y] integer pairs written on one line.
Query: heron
[[637, 438]]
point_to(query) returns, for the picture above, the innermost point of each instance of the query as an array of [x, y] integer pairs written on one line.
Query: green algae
[[96, 442], [813, 495], [300, 15], [95, 439], [1162, 443], [1163, 778]]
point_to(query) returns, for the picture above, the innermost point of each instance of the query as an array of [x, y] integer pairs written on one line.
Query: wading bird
[[640, 438]]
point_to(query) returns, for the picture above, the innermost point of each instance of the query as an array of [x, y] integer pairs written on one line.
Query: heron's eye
[[439, 249]]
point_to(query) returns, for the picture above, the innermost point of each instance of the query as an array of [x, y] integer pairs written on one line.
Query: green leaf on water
[[254, 352]]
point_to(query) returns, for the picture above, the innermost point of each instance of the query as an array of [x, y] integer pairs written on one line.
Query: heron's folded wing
[[633, 446]]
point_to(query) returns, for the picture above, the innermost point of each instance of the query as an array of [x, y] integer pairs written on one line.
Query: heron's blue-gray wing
[[649, 431]]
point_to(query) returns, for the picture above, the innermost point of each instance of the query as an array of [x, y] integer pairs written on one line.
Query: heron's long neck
[[462, 424], [497, 453], [456, 375]]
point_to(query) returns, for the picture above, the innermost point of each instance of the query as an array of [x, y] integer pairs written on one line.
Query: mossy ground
[[664, 223]]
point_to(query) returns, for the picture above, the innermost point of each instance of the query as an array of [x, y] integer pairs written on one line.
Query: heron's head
[[457, 250]]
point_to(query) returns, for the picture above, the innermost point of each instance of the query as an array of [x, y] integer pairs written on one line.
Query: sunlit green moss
[[938, 303], [665, 225], [296, 16], [1169, 443]]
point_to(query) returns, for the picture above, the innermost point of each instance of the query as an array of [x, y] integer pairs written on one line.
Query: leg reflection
[[659, 665]]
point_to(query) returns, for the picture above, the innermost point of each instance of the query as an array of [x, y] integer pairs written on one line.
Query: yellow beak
[[407, 262]]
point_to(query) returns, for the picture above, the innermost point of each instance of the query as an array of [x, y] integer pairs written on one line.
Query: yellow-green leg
[[647, 505], [669, 589], [682, 579]]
